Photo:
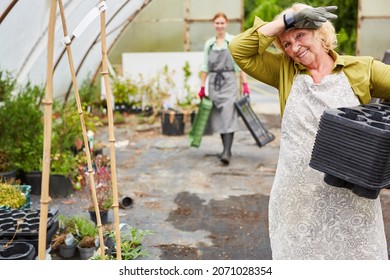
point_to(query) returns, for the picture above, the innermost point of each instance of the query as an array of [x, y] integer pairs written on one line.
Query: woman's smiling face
[[302, 45], [220, 24]]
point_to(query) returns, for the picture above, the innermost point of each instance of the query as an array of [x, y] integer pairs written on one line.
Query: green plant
[[103, 183], [64, 234], [5, 163], [7, 83], [98, 257], [84, 230], [131, 242], [21, 127], [126, 91], [89, 93], [11, 196], [188, 101], [63, 164]]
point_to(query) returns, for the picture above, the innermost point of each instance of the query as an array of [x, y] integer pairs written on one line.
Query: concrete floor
[[198, 208]]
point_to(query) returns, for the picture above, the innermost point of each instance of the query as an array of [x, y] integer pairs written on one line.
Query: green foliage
[[84, 230], [126, 91], [345, 25], [11, 196], [63, 163], [7, 83], [131, 242], [21, 126], [89, 93]]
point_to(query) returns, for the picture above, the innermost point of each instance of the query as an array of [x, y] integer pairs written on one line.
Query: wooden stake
[[84, 131], [48, 107], [110, 116]]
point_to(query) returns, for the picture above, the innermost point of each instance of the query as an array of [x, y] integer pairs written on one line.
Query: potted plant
[[103, 188], [85, 232], [64, 239], [21, 127], [7, 170], [131, 242], [67, 147], [174, 105], [126, 94], [14, 196], [7, 86]]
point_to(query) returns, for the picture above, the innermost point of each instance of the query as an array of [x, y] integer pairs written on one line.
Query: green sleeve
[[380, 80], [250, 51]]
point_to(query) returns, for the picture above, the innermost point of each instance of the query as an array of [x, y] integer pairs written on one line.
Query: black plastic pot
[[5, 176], [59, 185], [18, 251], [172, 123], [103, 216]]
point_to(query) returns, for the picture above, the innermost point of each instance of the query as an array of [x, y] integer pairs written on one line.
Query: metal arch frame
[[97, 40], [7, 10]]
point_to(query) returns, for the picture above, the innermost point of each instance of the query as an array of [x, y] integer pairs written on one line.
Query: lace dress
[[309, 219]]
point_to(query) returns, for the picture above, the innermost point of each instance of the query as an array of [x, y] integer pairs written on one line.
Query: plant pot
[[67, 251], [33, 179], [18, 251], [86, 253], [59, 185], [8, 175], [103, 216], [172, 123]]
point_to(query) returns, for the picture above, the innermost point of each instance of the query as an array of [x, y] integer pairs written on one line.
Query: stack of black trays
[[352, 148], [252, 122], [23, 226]]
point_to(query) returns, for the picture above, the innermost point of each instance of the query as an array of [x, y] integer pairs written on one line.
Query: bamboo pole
[[84, 131], [48, 107], [104, 72]]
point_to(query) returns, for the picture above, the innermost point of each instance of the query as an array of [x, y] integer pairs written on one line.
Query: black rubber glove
[[311, 18]]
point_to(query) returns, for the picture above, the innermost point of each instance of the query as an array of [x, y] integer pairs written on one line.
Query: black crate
[[253, 123], [353, 145]]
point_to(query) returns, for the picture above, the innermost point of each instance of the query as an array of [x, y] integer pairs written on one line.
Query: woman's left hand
[[245, 89]]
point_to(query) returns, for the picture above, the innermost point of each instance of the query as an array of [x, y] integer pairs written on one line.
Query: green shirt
[[210, 44], [368, 77]]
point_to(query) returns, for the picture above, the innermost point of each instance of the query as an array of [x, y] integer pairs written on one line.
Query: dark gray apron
[[223, 91]]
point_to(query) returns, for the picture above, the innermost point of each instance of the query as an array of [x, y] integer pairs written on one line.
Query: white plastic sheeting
[[23, 35], [373, 28]]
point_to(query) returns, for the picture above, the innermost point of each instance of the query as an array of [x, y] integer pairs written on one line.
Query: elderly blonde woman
[[309, 219]]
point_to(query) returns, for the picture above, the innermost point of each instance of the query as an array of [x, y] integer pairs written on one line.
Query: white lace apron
[[309, 219]]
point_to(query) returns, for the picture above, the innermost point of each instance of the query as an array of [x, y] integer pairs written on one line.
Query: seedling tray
[[253, 123], [353, 144]]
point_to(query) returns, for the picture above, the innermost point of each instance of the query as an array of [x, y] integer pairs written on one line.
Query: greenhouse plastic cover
[[23, 33], [131, 26]]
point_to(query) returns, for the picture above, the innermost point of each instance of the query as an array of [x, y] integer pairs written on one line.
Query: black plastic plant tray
[[355, 179], [362, 167], [34, 240], [344, 134], [22, 222], [357, 138], [253, 123], [336, 146], [347, 121], [326, 149], [353, 144], [351, 177], [348, 132], [368, 161], [352, 169]]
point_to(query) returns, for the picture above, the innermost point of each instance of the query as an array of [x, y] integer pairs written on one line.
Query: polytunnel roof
[[24, 40]]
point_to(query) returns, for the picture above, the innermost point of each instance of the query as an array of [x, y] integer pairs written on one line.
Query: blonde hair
[[326, 32]]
